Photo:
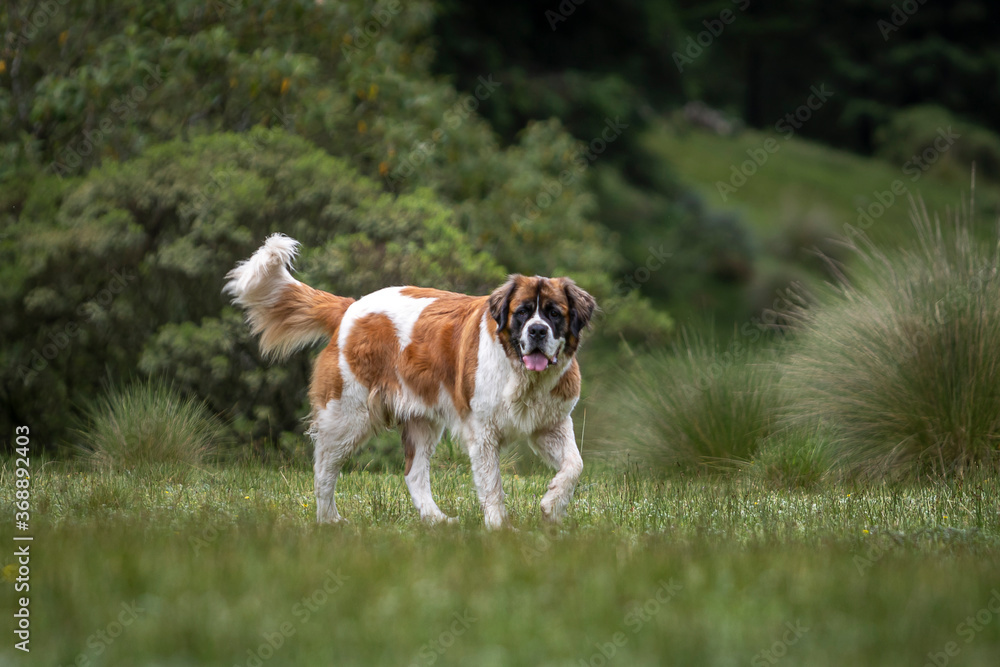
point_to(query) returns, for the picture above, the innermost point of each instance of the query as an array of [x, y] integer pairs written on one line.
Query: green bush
[[146, 425], [698, 408], [181, 70], [123, 270], [903, 364]]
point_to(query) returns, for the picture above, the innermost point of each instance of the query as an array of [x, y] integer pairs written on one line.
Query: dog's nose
[[537, 331]]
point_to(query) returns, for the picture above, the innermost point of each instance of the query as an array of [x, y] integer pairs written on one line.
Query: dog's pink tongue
[[536, 361]]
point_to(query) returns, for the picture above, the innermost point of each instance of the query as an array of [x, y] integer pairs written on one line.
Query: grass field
[[801, 179], [224, 566]]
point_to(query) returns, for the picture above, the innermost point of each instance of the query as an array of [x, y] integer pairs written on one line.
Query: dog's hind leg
[[420, 437], [337, 433]]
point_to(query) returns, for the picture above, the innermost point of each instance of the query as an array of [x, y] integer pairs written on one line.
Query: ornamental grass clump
[[148, 424], [697, 408], [903, 364]]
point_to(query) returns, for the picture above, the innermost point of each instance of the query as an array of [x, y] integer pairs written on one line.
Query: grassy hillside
[[801, 181], [226, 567]]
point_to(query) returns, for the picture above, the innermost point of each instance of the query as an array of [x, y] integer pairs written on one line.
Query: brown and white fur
[[490, 369]]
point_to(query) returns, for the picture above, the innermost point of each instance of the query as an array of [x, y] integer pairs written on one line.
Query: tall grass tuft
[[904, 364], [146, 425], [794, 458], [697, 408]]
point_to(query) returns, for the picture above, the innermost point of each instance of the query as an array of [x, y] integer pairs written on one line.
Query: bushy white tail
[[285, 313]]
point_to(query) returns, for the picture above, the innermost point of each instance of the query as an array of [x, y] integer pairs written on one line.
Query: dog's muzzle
[[540, 348]]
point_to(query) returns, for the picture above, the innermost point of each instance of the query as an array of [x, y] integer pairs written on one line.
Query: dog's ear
[[581, 307], [500, 301]]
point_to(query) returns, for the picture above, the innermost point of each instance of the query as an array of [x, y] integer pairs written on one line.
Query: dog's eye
[[523, 311], [553, 311]]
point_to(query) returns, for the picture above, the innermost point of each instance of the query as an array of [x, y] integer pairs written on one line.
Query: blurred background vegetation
[[147, 147]]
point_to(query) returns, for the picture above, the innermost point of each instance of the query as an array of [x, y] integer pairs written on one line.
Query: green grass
[[689, 571]]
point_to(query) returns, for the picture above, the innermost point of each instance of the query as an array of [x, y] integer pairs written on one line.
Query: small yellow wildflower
[[246, 497], [865, 531], [285, 85]]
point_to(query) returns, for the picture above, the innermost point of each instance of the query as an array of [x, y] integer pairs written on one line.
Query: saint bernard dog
[[490, 369]]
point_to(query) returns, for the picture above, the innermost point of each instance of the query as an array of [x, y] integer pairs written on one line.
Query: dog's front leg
[[484, 453], [558, 448]]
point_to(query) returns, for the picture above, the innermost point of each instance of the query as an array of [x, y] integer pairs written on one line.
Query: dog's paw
[[552, 509], [437, 518], [339, 521]]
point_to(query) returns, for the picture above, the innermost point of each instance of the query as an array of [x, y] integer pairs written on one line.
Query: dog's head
[[540, 319]]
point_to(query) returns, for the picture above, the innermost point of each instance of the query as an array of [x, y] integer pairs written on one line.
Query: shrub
[[123, 270], [147, 424], [696, 408], [904, 363]]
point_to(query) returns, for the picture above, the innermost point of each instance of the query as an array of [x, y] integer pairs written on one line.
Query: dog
[[491, 369]]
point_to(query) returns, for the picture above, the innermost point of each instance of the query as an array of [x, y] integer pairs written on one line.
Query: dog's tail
[[286, 313]]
